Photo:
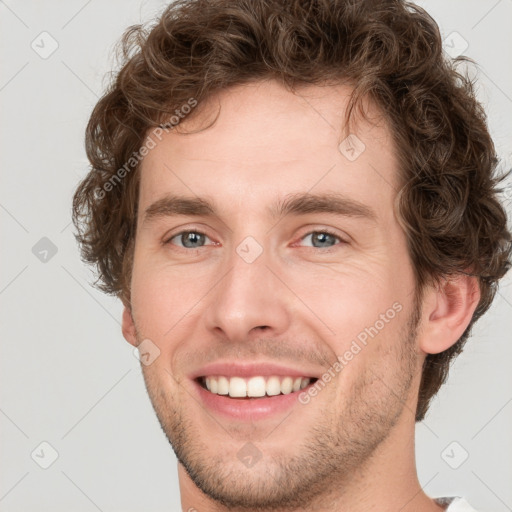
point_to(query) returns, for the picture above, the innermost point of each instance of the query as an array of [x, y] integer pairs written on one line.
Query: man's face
[[249, 288]]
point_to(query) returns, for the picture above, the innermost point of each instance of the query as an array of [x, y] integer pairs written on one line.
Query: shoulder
[[455, 504]]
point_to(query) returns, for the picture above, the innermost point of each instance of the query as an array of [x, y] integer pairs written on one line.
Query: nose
[[249, 299]]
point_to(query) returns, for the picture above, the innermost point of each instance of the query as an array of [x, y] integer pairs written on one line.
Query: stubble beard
[[333, 453]]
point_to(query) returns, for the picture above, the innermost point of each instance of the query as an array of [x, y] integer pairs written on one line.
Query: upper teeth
[[255, 386]]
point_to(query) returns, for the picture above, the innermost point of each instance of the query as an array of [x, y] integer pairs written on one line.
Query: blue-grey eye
[[324, 238], [190, 239]]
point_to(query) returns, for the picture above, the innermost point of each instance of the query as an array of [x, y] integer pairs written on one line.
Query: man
[[296, 203]]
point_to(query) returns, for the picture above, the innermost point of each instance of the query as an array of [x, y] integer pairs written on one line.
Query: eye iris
[[323, 237], [192, 237]]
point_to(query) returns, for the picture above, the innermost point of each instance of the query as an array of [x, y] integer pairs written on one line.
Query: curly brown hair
[[388, 50]]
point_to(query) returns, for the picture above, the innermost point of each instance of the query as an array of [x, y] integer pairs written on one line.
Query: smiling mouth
[[241, 388]]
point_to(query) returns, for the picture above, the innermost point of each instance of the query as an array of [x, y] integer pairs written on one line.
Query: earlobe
[[447, 311], [128, 327]]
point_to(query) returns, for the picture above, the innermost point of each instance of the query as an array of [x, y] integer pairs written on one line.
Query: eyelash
[[318, 231]]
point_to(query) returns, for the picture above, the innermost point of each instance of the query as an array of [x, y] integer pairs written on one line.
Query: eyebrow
[[293, 204]]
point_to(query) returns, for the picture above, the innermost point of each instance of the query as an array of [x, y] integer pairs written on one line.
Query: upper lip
[[251, 369]]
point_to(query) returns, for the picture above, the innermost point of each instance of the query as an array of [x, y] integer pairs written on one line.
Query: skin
[[354, 441]]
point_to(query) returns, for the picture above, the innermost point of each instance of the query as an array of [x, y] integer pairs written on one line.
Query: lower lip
[[248, 409]]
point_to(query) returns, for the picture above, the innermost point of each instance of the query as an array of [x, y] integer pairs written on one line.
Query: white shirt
[[455, 504]]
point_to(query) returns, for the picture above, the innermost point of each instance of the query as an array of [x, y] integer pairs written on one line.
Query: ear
[[446, 312], [128, 327]]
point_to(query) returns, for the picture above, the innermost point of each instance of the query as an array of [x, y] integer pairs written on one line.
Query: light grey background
[[68, 377]]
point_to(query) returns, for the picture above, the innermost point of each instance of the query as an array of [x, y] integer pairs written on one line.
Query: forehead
[[267, 141]]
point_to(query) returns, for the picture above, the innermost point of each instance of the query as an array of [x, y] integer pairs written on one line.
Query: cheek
[[365, 310], [165, 300], [352, 298]]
